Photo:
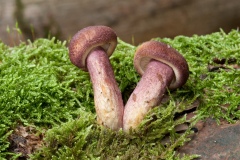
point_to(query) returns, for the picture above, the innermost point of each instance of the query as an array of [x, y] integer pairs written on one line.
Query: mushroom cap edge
[[166, 54], [85, 40]]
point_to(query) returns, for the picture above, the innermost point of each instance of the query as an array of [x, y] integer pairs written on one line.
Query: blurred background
[[134, 21]]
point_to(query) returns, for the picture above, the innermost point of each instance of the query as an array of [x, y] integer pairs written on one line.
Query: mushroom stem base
[[107, 95], [147, 94]]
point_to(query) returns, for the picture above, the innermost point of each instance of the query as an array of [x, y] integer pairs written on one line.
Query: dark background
[[134, 21]]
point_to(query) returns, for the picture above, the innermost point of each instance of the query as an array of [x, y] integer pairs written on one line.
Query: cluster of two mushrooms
[[160, 66]]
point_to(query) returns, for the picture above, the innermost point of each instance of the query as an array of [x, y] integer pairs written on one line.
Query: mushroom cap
[[85, 40], [165, 54]]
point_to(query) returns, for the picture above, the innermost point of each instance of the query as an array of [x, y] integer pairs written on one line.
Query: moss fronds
[[40, 87]]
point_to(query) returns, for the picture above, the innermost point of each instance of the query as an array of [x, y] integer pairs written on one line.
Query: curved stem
[[107, 96], [147, 94]]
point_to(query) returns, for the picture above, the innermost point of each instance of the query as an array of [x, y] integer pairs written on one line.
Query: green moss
[[220, 88], [83, 139], [40, 87]]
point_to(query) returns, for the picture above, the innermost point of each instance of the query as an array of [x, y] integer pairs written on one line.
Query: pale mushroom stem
[[147, 94], [107, 95]]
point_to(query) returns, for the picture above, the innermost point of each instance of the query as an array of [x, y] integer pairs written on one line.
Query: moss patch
[[41, 88]]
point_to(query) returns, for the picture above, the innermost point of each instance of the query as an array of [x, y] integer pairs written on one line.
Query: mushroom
[[89, 49], [161, 67]]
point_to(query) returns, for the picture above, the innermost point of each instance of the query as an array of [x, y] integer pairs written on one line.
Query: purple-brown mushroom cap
[[85, 40], [165, 54]]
